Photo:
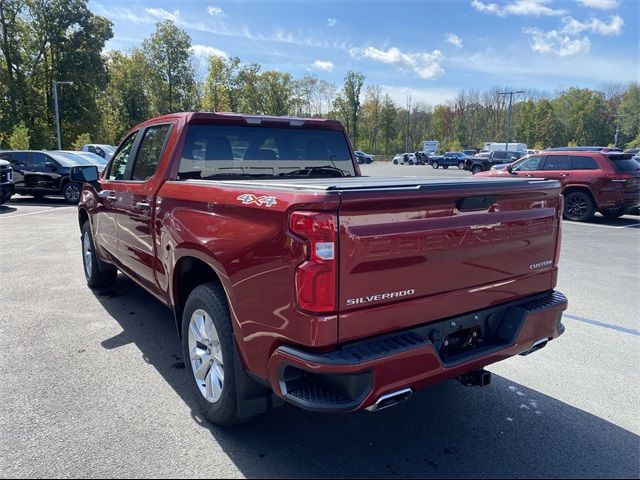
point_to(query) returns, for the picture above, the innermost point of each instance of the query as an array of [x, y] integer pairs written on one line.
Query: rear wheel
[[435, 164], [395, 162], [207, 344], [476, 169], [461, 165], [613, 213], [96, 272], [578, 207]]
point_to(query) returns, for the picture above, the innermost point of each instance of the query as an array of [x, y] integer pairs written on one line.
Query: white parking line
[[5, 217], [631, 225]]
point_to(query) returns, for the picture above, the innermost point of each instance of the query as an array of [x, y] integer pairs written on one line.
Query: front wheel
[[435, 164], [578, 207], [207, 344], [461, 165], [395, 162], [476, 169], [71, 192], [96, 272]]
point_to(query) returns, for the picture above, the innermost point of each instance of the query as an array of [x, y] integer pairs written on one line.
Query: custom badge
[[249, 198]]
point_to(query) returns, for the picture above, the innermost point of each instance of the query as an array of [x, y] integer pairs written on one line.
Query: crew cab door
[[135, 206]]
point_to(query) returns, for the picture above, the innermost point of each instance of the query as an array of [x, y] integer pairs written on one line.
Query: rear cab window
[[219, 151]]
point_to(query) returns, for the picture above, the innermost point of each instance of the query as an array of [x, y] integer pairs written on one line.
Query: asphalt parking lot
[[93, 383]]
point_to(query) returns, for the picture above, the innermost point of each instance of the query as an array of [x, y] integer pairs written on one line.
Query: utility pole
[[617, 116], [55, 101], [508, 133]]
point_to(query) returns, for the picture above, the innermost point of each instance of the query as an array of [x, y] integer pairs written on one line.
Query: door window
[[583, 163], [150, 151], [19, 159], [38, 160], [528, 165], [121, 159], [557, 162]]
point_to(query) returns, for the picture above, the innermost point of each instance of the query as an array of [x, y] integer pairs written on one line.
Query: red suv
[[605, 182]]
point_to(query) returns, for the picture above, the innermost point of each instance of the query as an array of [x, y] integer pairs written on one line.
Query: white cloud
[[557, 44], [162, 14], [454, 40], [331, 22], [594, 25], [323, 65], [205, 51], [600, 4], [425, 65], [535, 8], [215, 11], [430, 96]]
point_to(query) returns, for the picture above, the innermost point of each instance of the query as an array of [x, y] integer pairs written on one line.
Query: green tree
[[170, 72], [353, 82], [19, 139], [388, 125], [81, 140], [277, 92], [630, 110]]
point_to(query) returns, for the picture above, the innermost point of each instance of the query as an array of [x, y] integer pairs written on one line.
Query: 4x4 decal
[[249, 198]]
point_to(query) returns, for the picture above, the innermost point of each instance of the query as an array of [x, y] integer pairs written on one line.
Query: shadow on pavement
[[27, 200], [7, 209], [504, 430]]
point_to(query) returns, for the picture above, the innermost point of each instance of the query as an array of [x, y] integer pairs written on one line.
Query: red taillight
[[315, 279]]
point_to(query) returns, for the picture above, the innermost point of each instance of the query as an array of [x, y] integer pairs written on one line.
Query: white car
[[105, 151], [402, 158]]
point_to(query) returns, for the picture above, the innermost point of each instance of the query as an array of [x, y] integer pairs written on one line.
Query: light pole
[[511, 94], [55, 101], [617, 116]]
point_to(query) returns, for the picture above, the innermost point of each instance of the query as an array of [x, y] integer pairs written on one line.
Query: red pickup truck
[[294, 278]]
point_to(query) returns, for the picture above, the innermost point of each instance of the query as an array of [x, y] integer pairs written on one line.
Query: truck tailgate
[[421, 252]]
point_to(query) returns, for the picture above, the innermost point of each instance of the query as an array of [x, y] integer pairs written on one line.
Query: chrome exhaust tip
[[536, 346], [391, 399]]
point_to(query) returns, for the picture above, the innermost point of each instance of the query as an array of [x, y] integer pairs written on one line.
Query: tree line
[[42, 41]]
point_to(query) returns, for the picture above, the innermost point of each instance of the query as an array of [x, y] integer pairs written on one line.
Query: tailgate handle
[[476, 203]]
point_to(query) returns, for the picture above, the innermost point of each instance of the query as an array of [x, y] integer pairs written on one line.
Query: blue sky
[[429, 49]]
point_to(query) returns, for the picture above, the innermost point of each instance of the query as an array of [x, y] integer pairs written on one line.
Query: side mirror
[[510, 168], [84, 173], [50, 164]]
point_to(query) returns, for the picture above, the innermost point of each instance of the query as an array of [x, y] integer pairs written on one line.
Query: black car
[[6, 181], [450, 159], [41, 173], [478, 163]]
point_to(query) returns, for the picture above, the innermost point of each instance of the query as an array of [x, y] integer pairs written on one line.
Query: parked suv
[[591, 181], [477, 164], [41, 173], [6, 181], [450, 159], [363, 157], [105, 151]]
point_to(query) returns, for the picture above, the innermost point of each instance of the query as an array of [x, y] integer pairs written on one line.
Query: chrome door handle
[[109, 195], [142, 205]]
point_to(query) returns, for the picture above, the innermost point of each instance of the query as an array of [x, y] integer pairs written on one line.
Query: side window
[[19, 159], [557, 162], [91, 148], [150, 151], [583, 163], [528, 165], [39, 159], [121, 159]]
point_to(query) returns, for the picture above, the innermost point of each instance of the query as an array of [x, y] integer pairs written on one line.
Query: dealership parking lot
[[93, 382]]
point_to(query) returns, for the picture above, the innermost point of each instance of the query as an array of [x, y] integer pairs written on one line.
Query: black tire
[[460, 165], [579, 207], [98, 274], [476, 169], [614, 213], [445, 166], [435, 164], [71, 192], [210, 297], [395, 162]]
